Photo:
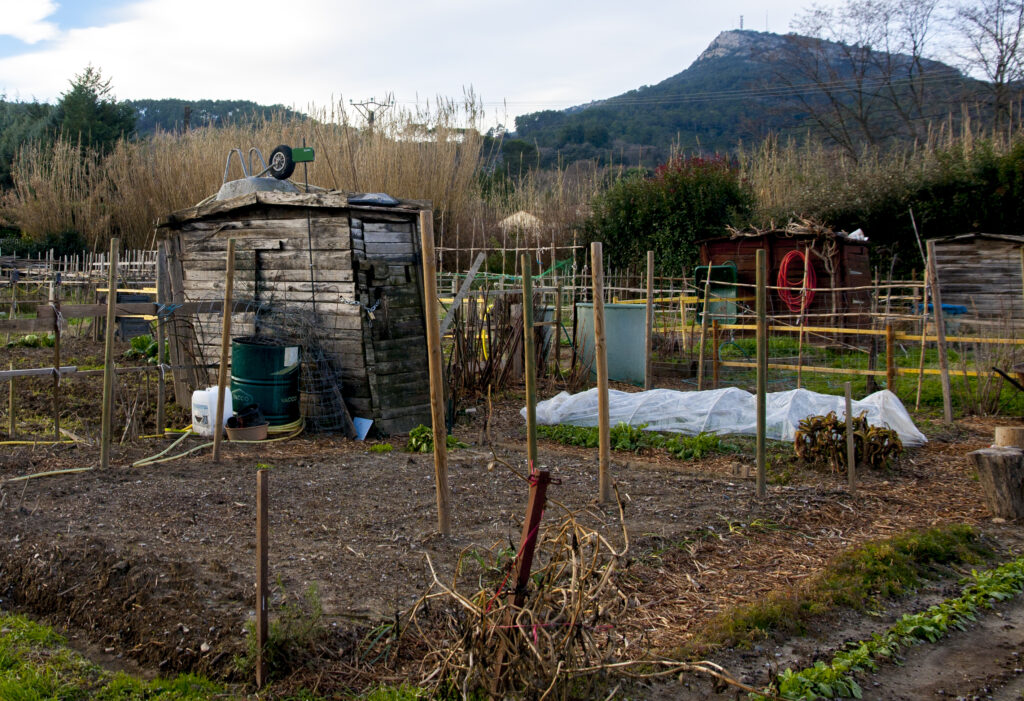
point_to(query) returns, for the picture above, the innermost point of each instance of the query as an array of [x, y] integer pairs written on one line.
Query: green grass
[[835, 679], [859, 579], [37, 665]]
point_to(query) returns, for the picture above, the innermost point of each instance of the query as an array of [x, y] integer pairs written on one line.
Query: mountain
[[169, 114], [745, 85]]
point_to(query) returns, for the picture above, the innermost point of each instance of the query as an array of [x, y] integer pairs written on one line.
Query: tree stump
[[1001, 473], [1010, 436]]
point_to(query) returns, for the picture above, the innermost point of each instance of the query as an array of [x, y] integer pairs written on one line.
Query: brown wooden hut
[[838, 261], [364, 262], [982, 272]]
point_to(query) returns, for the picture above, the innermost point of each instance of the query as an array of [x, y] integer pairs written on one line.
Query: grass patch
[[381, 448], [37, 665], [292, 636], [859, 578]]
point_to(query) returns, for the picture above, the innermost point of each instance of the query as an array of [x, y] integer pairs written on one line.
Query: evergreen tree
[[89, 113]]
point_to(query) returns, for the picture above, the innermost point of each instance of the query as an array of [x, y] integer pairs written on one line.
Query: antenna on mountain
[[765, 21], [741, 22]]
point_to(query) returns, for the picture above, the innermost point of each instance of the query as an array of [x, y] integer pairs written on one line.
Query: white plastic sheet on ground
[[724, 411]]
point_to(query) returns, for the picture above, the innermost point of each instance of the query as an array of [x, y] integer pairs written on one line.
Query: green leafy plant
[[421, 440], [381, 448], [635, 439], [33, 340], [835, 679], [144, 348], [694, 447]]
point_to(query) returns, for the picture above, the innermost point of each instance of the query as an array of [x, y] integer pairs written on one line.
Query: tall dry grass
[[806, 176], [428, 154]]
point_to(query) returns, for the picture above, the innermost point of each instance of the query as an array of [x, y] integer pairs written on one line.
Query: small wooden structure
[[356, 263], [982, 272], [838, 261]]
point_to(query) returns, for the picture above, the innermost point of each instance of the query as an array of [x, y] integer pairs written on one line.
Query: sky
[[517, 57]]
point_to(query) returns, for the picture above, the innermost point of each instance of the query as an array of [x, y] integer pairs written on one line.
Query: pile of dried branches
[[569, 636]]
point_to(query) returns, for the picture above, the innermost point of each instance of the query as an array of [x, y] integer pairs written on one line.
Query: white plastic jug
[[204, 410]]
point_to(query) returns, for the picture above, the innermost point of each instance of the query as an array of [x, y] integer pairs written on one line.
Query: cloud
[[23, 19]]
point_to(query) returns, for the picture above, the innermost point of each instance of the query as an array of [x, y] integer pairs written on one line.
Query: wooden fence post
[[851, 448], [262, 576], [762, 370], [940, 333], [890, 357], [649, 327], [10, 407], [161, 341], [435, 360], [54, 299], [715, 368], [108, 355], [705, 312], [225, 350], [601, 362], [529, 363]]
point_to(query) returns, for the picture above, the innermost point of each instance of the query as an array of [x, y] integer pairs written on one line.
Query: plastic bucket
[[266, 373]]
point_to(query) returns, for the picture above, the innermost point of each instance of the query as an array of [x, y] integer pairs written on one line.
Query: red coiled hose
[[791, 292]]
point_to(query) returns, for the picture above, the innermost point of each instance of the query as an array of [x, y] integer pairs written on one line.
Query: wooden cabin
[[982, 272], [837, 260], [355, 259]]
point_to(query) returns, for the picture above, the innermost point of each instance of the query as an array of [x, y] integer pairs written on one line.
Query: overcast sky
[[517, 56]]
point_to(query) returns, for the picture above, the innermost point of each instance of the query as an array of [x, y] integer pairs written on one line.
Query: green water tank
[[625, 328], [266, 373]]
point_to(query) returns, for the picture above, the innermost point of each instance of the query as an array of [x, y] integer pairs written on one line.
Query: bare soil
[[153, 567]]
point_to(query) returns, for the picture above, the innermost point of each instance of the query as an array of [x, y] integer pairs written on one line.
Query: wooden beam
[[851, 448], [467, 284]]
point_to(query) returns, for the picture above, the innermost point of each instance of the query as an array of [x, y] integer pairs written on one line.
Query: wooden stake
[[161, 335], [762, 370], [714, 354], [800, 320], [705, 313], [649, 328], [435, 361], [851, 448], [529, 363], [108, 355], [10, 406], [528, 540], [890, 358], [558, 332], [601, 361], [225, 350], [54, 299], [924, 338], [940, 333], [262, 577]]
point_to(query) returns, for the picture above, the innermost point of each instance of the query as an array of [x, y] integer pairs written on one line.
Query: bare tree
[[991, 33], [861, 70]]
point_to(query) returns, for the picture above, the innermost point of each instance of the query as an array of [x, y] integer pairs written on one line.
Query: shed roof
[[323, 199], [1011, 238]]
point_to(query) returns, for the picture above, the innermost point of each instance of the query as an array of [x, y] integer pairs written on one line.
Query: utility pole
[[370, 108]]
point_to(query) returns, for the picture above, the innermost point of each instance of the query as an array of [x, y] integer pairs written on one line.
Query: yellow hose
[[288, 431], [62, 440]]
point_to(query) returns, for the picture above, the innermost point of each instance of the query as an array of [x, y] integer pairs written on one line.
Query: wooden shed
[[837, 260], [353, 259], [982, 272]]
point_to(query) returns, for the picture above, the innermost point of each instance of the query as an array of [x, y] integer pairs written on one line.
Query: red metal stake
[[539, 482]]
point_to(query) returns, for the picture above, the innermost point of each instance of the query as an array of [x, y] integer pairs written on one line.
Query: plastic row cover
[[724, 411]]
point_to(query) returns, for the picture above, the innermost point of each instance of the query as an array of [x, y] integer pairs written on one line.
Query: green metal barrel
[[265, 373]]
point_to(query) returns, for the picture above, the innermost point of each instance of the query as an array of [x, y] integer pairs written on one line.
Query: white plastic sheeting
[[724, 411]]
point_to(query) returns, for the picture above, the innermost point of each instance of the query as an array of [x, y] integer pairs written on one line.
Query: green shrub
[[687, 200], [381, 448]]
